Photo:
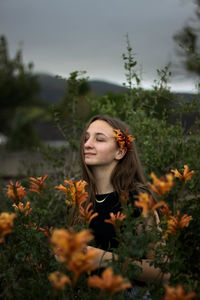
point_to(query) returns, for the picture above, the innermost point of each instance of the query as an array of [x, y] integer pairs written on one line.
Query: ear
[[120, 153]]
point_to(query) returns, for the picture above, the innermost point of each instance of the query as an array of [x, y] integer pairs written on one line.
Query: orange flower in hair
[[123, 140]]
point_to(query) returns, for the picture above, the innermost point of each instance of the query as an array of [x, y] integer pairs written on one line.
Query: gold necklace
[[100, 201]]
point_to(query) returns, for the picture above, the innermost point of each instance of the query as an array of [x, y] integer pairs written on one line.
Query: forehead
[[100, 126]]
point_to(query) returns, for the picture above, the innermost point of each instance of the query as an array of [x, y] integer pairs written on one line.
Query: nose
[[88, 143]]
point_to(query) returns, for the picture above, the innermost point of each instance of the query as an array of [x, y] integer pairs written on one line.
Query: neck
[[102, 177]]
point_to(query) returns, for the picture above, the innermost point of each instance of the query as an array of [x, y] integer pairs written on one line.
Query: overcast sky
[[61, 36]]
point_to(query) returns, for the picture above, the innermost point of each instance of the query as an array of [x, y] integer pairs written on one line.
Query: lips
[[89, 154]]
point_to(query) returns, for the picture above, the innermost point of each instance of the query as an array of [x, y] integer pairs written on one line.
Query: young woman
[[110, 165]]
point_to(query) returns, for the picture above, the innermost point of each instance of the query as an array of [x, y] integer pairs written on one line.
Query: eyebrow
[[97, 133]]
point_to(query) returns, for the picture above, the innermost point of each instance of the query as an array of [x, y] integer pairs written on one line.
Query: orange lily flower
[[174, 223], [37, 184], [123, 140], [21, 207], [87, 214], [162, 185], [59, 280], [165, 210], [47, 231], [16, 191], [6, 224], [116, 220], [177, 293], [76, 190], [124, 196], [147, 203], [80, 262], [186, 174], [109, 282], [65, 242]]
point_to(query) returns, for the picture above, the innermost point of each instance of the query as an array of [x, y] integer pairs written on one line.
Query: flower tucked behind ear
[[123, 140]]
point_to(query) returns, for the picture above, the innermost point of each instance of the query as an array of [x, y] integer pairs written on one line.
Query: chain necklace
[[102, 200]]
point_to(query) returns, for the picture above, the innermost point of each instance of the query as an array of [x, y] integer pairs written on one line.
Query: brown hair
[[127, 175]]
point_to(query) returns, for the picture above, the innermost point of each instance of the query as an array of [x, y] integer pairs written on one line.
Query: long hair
[[127, 175]]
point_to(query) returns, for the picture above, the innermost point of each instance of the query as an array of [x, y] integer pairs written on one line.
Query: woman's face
[[100, 147]]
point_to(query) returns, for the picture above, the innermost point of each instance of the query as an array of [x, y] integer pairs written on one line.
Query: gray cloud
[[66, 35]]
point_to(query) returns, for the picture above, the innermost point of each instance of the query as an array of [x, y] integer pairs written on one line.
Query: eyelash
[[98, 140]]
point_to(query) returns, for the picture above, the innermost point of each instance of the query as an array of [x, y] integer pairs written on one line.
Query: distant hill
[[53, 89]]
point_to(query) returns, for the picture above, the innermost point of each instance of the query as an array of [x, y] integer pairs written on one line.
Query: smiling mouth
[[89, 153]]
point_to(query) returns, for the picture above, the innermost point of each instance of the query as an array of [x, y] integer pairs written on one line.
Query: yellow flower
[[87, 214], [16, 191], [162, 185], [109, 282], [186, 174], [174, 223], [37, 184], [6, 224], [59, 280], [147, 203], [21, 207], [76, 191], [177, 293]]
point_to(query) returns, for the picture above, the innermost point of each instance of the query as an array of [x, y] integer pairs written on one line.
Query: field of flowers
[[48, 260]]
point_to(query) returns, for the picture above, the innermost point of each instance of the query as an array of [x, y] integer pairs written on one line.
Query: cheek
[[108, 151]]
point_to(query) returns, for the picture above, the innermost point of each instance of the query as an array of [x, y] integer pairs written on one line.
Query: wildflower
[[109, 282], [162, 185], [76, 190], [165, 210], [21, 207], [81, 261], [124, 196], [37, 184], [123, 140], [16, 191], [186, 174], [147, 203], [6, 224], [65, 242], [47, 231], [116, 220], [87, 214], [177, 293], [174, 223], [59, 280]]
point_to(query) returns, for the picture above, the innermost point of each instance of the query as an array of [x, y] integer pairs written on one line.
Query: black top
[[104, 233]]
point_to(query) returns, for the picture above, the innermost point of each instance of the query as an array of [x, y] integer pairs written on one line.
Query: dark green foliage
[[20, 105]]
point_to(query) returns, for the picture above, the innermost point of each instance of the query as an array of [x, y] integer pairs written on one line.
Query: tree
[[18, 93], [189, 41]]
